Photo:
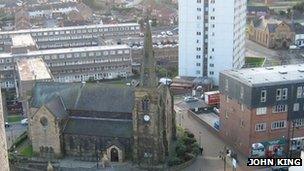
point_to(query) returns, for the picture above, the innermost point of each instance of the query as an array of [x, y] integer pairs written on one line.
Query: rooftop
[[33, 69], [68, 28], [65, 50], [269, 75], [23, 40]]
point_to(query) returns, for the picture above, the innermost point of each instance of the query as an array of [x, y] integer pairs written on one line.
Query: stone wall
[[3, 146], [45, 132]]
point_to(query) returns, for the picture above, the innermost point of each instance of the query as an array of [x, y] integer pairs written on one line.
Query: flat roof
[[68, 28], [66, 50], [23, 40], [267, 76], [33, 69]]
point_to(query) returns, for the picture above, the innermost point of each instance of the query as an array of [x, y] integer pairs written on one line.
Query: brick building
[[262, 109]]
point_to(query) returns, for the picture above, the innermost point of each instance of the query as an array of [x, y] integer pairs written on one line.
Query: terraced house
[[70, 56]]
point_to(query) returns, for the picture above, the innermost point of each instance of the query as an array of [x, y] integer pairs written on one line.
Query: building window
[[278, 125], [198, 72], [226, 85], [298, 123], [279, 109], [299, 92], [263, 95], [145, 105], [198, 64], [242, 123], [296, 107], [242, 92], [211, 73], [285, 94], [260, 127], [198, 56], [279, 94], [261, 111]]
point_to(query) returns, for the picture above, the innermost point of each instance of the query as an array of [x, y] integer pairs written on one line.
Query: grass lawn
[[27, 151], [254, 61], [14, 118]]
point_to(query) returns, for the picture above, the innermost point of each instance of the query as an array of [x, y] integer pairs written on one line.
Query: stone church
[[91, 120]]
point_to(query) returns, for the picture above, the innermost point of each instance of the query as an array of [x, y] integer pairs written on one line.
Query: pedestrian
[[201, 150]]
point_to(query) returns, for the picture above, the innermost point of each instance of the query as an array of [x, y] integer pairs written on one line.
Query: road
[[273, 57], [13, 132]]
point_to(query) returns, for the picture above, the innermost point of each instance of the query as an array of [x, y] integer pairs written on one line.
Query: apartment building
[[73, 64], [75, 36], [262, 110], [211, 37]]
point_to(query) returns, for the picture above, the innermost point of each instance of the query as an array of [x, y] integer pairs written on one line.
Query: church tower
[[150, 147]]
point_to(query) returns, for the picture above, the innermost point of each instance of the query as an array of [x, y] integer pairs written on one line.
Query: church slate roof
[[106, 128], [57, 107], [88, 96]]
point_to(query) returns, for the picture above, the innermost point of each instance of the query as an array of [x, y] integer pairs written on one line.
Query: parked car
[[24, 121], [6, 125], [163, 33], [190, 99], [165, 81], [216, 110], [169, 33], [216, 125]]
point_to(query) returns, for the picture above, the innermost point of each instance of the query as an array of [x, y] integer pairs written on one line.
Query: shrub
[[180, 149], [174, 161]]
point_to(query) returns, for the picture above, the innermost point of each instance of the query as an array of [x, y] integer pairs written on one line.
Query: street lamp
[[294, 125]]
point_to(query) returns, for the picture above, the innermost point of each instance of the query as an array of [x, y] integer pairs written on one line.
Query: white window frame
[[260, 127], [279, 108], [284, 93], [263, 98], [278, 125], [299, 92], [261, 111], [279, 94], [296, 107]]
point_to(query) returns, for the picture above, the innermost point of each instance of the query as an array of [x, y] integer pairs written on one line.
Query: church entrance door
[[114, 155]]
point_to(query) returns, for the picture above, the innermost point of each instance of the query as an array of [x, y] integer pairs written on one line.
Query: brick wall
[[235, 124]]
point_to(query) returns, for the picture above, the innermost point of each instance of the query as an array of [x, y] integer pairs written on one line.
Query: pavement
[[211, 143]]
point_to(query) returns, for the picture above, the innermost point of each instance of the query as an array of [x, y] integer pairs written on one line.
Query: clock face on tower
[[147, 118]]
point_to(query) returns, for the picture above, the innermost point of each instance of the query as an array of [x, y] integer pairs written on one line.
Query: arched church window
[[145, 105]]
